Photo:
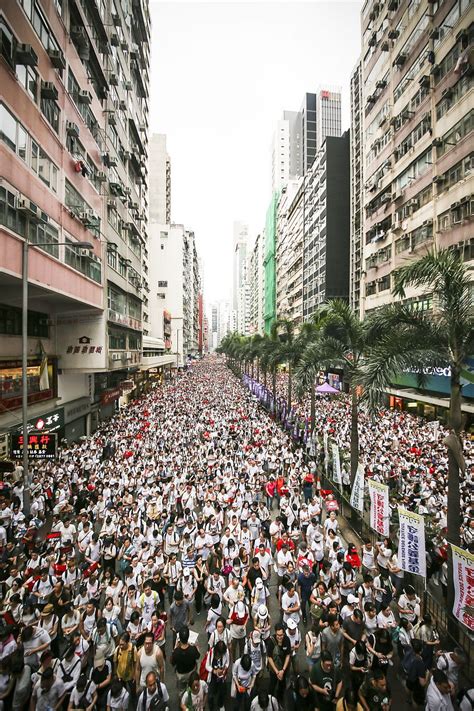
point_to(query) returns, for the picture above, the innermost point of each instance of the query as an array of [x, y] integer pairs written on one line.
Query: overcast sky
[[222, 73]]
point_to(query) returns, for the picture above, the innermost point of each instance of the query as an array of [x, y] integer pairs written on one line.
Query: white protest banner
[[336, 464], [411, 543], [379, 508], [463, 575], [326, 451], [357, 493]]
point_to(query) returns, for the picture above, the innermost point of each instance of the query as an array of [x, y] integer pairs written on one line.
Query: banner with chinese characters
[[357, 493], [336, 464], [463, 576], [326, 451], [411, 542], [379, 508]]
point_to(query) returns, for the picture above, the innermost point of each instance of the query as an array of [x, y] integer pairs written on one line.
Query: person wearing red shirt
[[285, 540]]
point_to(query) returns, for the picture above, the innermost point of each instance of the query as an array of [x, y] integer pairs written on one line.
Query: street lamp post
[[24, 351]]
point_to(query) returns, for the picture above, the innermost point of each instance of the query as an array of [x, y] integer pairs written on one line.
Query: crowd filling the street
[[185, 557]]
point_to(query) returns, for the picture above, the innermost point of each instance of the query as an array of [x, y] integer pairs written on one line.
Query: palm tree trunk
[[454, 457], [265, 378], [274, 380], [252, 369], [313, 407], [354, 432], [258, 370], [290, 376]]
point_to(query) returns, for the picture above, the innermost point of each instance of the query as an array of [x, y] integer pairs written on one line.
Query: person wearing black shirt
[[326, 681], [184, 659], [254, 572], [374, 694], [279, 656], [306, 580], [301, 697]]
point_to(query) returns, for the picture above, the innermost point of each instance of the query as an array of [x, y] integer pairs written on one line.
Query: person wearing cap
[[237, 622], [294, 635], [101, 676], [262, 622], [255, 648], [258, 596], [350, 604]]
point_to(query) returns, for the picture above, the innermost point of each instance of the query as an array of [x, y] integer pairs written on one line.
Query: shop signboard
[[40, 446]]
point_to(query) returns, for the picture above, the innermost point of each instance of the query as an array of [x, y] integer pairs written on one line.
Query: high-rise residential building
[[174, 300], [269, 265], [289, 253], [326, 226], [257, 285], [160, 180], [240, 285], [219, 323], [73, 153], [286, 150], [417, 117], [357, 189]]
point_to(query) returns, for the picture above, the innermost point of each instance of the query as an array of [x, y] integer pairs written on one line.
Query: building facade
[[418, 123], [257, 285], [289, 253], [240, 283], [73, 153], [160, 180], [326, 226], [357, 188]]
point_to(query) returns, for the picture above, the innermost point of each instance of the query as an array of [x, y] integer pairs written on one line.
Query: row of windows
[[461, 88], [122, 303], [118, 341], [76, 203], [457, 172], [85, 264], [11, 322], [456, 133], [413, 137], [20, 141]]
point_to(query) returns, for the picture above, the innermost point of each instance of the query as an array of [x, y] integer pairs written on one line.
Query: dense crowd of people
[[184, 557]]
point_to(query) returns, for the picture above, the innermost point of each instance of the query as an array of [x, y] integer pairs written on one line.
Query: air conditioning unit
[[381, 84], [393, 34], [122, 105], [127, 191], [371, 99], [111, 202], [78, 34], [135, 206], [48, 90], [385, 198], [438, 179], [72, 129], [400, 60], [385, 47], [392, 5], [86, 216], [434, 34], [425, 81], [56, 57], [113, 79], [124, 46], [25, 54], [397, 195], [23, 204], [397, 226], [112, 162], [115, 188], [100, 176], [134, 52], [128, 86], [127, 155], [435, 70], [85, 97], [437, 142], [447, 93], [114, 39], [84, 253], [373, 40], [112, 118], [116, 19]]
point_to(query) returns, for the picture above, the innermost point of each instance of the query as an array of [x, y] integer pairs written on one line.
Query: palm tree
[[343, 342], [308, 366], [411, 340]]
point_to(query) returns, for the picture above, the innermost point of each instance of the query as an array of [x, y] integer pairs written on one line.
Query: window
[[87, 264], [76, 203], [116, 300], [384, 283], [50, 111], [8, 128], [10, 217], [162, 284], [134, 342], [10, 322], [42, 28], [112, 258], [6, 42], [117, 340], [123, 265], [28, 78], [459, 131]]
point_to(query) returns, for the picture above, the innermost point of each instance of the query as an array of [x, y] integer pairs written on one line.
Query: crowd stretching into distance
[[184, 558]]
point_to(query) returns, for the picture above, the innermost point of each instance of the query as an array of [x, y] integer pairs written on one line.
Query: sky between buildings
[[222, 73]]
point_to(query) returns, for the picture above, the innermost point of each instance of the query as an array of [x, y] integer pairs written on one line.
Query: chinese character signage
[[411, 543], [40, 446], [50, 422], [463, 575], [357, 493], [80, 342], [379, 508], [336, 464]]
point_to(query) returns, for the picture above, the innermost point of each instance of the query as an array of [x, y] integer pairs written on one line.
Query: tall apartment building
[[289, 253], [160, 180], [73, 151], [219, 322], [240, 284], [286, 150], [326, 226], [257, 285], [357, 188], [418, 122], [174, 296], [328, 114]]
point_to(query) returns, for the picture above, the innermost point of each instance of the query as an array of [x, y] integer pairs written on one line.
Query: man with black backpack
[[155, 696]]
